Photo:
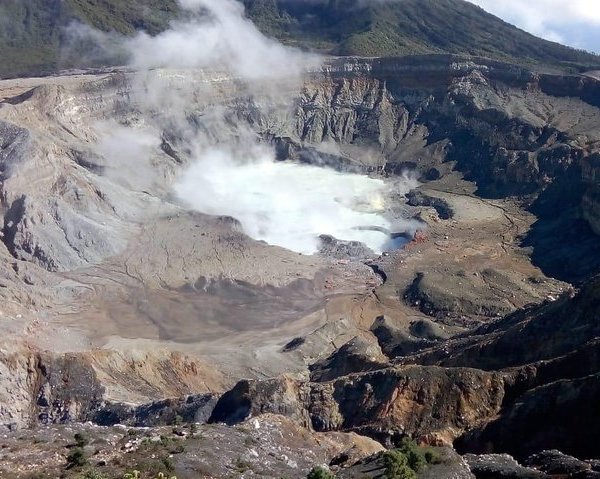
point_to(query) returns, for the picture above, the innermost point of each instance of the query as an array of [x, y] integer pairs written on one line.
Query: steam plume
[[285, 204], [230, 171]]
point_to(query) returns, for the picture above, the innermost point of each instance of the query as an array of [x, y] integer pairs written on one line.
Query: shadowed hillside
[[32, 31]]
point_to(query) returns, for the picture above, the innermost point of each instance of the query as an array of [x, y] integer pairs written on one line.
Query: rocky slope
[[482, 388], [116, 297], [496, 123]]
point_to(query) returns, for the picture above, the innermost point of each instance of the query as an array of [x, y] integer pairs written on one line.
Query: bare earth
[[121, 272]]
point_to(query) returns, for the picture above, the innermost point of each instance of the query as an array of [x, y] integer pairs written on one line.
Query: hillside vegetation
[[32, 31], [405, 27]]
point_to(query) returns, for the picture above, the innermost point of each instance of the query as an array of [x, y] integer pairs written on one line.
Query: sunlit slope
[[403, 27]]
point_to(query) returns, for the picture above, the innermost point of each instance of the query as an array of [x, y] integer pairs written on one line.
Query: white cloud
[[222, 38], [559, 20]]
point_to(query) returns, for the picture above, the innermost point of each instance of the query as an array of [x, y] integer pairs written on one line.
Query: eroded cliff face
[[434, 405], [39, 387], [530, 375], [93, 245], [591, 196], [512, 131]]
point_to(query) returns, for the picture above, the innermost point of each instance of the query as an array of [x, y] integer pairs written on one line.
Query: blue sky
[[572, 22]]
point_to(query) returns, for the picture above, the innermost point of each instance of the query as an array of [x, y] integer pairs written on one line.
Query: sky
[[571, 22]]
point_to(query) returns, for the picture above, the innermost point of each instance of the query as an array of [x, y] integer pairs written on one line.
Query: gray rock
[[500, 466], [357, 355], [554, 462], [339, 249]]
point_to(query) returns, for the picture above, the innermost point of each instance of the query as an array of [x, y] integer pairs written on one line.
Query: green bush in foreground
[[414, 455], [406, 461], [76, 458], [320, 473], [92, 474], [396, 466]]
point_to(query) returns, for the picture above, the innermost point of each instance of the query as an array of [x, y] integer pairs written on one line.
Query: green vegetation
[[135, 474], [138, 475], [81, 440], [93, 474], [406, 461], [76, 458], [33, 35], [320, 473], [32, 31], [414, 455], [242, 466], [396, 466], [33, 38], [177, 420], [407, 27], [430, 457]]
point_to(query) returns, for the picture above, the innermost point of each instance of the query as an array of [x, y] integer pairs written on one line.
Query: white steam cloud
[[283, 203], [218, 36], [230, 172]]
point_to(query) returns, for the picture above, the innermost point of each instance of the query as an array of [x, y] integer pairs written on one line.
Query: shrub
[[76, 458], [242, 466], [178, 449], [92, 474], [396, 466], [169, 466], [431, 457], [415, 457], [81, 440], [320, 473], [165, 441]]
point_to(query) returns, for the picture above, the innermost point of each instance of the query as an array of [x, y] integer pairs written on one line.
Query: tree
[[396, 466], [416, 459], [320, 473]]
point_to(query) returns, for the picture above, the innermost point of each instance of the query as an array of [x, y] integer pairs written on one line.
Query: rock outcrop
[[433, 404], [45, 388], [533, 365], [495, 121]]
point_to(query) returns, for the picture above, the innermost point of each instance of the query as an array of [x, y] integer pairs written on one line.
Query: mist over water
[[284, 203], [229, 171]]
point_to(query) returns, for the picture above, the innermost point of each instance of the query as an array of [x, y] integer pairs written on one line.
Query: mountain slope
[[32, 31], [404, 27]]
